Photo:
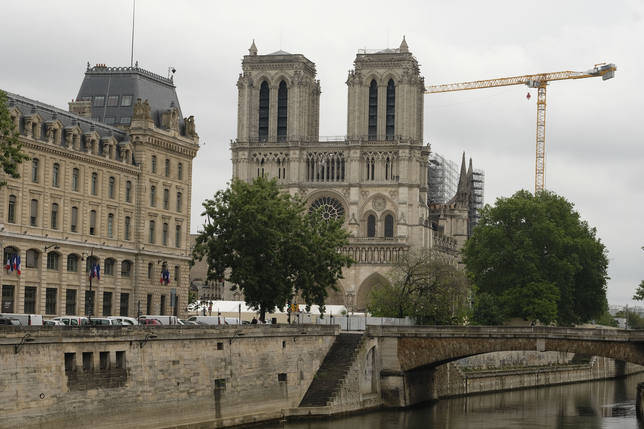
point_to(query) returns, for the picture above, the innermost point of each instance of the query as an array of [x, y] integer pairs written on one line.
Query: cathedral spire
[[403, 46], [253, 49], [462, 192]]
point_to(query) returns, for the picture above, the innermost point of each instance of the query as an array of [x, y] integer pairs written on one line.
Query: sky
[[594, 132]]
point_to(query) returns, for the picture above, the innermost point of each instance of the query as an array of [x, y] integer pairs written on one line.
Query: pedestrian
[[254, 321]]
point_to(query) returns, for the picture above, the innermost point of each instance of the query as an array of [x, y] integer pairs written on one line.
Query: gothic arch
[[373, 280], [328, 193], [390, 204], [275, 82]]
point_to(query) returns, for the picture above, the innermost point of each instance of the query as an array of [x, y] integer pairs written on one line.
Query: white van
[[214, 320], [124, 321], [73, 320], [165, 320], [25, 319]]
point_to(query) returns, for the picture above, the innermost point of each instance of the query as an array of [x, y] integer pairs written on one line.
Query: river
[[607, 404]]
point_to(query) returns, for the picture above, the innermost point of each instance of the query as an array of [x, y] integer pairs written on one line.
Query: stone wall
[[162, 377]]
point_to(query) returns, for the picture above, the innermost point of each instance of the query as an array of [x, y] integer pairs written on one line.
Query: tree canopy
[[10, 153], [266, 243], [537, 259], [639, 292], [423, 287]]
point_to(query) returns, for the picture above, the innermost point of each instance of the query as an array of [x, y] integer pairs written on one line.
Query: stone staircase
[[333, 370]]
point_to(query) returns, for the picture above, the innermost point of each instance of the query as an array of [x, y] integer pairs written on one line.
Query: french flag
[[8, 266], [18, 267], [165, 277], [95, 272]]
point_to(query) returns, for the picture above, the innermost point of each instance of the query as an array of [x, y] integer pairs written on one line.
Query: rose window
[[330, 208]]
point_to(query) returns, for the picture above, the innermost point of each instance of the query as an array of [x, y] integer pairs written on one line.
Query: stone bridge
[[407, 356]]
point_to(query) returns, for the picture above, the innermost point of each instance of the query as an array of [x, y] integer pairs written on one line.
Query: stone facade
[[94, 193], [375, 176]]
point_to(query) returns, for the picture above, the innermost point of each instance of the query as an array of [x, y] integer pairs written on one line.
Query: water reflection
[[605, 404]]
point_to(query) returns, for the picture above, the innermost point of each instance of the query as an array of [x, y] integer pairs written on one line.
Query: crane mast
[[538, 81]]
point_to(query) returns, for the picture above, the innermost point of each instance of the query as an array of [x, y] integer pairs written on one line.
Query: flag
[[18, 268], [95, 272], [8, 266], [165, 276], [14, 263], [98, 272]]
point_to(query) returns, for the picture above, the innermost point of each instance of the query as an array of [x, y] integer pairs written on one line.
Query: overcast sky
[[594, 132]]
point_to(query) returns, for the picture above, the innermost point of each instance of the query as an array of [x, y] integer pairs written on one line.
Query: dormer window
[[99, 101], [126, 100]]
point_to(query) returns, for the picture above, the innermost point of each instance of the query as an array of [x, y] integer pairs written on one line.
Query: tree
[[266, 243], [10, 149], [639, 292], [538, 259], [423, 287]]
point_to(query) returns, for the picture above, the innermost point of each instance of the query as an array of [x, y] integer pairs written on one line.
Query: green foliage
[[192, 296], [539, 259], [424, 288], [639, 292], [633, 319], [264, 242], [606, 320], [10, 154], [487, 310]]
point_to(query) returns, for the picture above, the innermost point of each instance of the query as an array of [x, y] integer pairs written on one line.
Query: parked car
[[125, 321], [149, 322], [7, 321], [188, 322], [48, 322], [25, 319], [165, 320], [73, 320], [102, 321]]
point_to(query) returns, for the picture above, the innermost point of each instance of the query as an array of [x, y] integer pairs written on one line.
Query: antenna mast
[[132, 49]]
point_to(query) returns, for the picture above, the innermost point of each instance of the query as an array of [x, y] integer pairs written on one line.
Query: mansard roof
[[103, 81]]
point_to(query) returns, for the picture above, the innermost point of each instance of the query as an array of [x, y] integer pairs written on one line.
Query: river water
[[608, 404]]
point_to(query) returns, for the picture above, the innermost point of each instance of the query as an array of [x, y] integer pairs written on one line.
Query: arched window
[[282, 104], [164, 234], [153, 196], [263, 111], [75, 179], [389, 226], [55, 172], [127, 228], [110, 225], [128, 192], [180, 171], [90, 262], [109, 267], [94, 187], [373, 110], [167, 167], [92, 222], [33, 213], [179, 201], [74, 222], [32, 258], [150, 270], [11, 211], [9, 253], [34, 170], [111, 186], [151, 232], [54, 216], [371, 226], [126, 268], [391, 110], [72, 263], [52, 261]]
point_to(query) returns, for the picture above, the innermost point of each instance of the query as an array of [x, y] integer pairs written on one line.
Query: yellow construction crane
[[539, 81]]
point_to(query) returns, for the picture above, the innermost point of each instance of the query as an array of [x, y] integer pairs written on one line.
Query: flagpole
[[90, 313]]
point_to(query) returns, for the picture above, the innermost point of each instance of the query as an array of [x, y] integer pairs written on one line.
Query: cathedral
[[375, 177]]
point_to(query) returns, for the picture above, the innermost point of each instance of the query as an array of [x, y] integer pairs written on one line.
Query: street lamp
[[55, 246], [90, 259]]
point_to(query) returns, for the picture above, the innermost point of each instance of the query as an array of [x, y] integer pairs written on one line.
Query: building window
[[125, 120], [389, 226], [126, 100], [50, 301], [32, 258], [54, 216], [94, 187], [92, 222], [128, 191], [162, 305], [154, 163], [89, 263], [33, 215], [153, 196], [34, 170], [110, 225], [373, 111], [179, 202], [72, 263], [126, 268], [263, 111], [371, 226], [177, 274], [70, 301], [282, 103], [54, 175], [177, 236], [75, 179], [151, 232], [99, 101], [30, 299], [150, 270], [124, 304], [167, 167], [127, 228], [148, 305], [180, 171], [391, 110], [11, 211], [110, 120], [52, 261], [166, 199], [164, 236], [8, 298], [109, 267], [111, 186], [74, 221], [113, 101], [107, 303]]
